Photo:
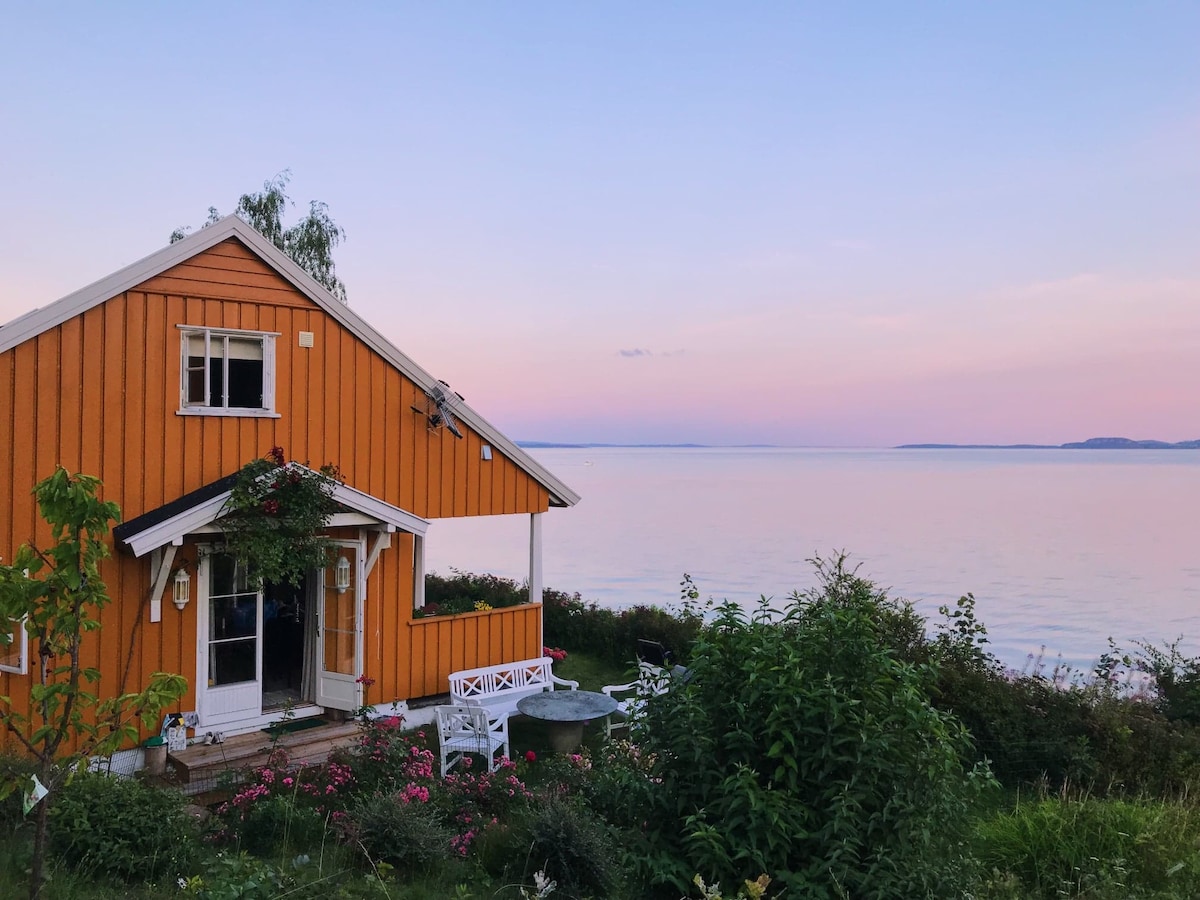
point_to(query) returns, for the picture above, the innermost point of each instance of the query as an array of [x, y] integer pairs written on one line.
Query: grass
[[1083, 846], [593, 672]]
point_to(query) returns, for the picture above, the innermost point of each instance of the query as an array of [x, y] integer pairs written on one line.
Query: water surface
[[1061, 548]]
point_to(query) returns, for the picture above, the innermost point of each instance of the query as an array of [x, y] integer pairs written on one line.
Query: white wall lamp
[[181, 588], [341, 578]]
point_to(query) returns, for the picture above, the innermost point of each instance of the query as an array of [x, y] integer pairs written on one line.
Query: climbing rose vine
[[274, 517]]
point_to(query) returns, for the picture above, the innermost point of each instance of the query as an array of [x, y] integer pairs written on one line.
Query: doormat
[[294, 725]]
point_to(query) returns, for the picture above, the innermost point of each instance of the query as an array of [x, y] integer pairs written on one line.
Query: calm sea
[[1061, 548]]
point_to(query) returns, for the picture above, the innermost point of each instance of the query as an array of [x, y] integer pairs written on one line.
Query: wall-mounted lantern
[[181, 588], [342, 574]]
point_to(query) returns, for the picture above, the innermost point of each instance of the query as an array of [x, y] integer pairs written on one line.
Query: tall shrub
[[803, 746]]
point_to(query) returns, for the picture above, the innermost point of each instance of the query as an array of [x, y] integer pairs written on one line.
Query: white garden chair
[[467, 729]]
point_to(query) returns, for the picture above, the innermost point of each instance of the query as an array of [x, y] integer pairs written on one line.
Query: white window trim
[[267, 410], [22, 636]]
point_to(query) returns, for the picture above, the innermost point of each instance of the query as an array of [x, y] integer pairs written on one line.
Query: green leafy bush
[[1176, 681], [805, 746], [386, 758], [613, 634], [121, 828], [618, 784], [1084, 730], [572, 847], [13, 770], [1091, 847], [240, 876], [464, 591], [280, 806], [404, 832]]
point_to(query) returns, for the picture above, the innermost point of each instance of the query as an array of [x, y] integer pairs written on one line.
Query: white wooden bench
[[498, 688]]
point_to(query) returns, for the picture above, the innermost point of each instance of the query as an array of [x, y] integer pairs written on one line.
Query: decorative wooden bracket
[[161, 561], [382, 541]]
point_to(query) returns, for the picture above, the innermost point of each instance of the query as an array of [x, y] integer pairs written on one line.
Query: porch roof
[[169, 523]]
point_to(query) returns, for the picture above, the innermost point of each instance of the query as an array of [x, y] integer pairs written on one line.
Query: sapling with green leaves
[[56, 594]]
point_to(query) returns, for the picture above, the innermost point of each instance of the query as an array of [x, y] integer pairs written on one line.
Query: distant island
[[1100, 443]]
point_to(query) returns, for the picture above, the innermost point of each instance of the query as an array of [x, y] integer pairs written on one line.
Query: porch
[[203, 765]]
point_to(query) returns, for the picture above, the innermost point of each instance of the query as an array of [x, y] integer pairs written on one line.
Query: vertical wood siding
[[99, 394], [445, 644]]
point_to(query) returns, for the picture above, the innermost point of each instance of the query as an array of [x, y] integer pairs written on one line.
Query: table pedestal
[[564, 737], [564, 713]]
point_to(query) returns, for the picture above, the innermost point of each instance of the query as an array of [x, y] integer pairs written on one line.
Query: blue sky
[[706, 222]]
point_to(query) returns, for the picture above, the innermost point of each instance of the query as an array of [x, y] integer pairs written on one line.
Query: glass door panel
[[231, 643], [341, 610]]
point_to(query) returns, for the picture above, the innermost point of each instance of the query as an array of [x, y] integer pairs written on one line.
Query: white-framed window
[[14, 656], [227, 372]]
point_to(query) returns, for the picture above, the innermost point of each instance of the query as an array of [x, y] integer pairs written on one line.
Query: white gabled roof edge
[[35, 322], [208, 511]]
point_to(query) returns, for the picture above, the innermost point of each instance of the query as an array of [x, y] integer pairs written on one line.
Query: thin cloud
[[637, 352]]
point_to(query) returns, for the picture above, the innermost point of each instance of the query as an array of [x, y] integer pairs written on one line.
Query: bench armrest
[[566, 682]]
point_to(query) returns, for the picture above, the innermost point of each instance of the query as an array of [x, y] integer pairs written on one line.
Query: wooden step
[[312, 746]]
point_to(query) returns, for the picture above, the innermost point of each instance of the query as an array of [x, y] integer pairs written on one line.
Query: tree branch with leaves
[[310, 242], [55, 594]]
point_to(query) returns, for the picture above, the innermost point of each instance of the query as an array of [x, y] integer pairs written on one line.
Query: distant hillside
[[1100, 443]]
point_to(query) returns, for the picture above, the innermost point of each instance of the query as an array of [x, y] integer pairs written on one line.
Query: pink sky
[[791, 228]]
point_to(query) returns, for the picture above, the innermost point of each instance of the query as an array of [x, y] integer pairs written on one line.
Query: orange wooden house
[[164, 379]]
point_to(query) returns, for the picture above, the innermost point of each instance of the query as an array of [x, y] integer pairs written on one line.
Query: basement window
[[227, 373]]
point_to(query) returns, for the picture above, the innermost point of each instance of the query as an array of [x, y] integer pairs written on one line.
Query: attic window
[[226, 372]]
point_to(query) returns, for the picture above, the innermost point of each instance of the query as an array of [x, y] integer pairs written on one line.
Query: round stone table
[[565, 712]]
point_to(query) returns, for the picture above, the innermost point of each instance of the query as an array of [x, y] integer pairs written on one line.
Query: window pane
[[246, 383], [232, 662], [226, 576], [10, 654], [246, 348], [216, 381], [233, 617], [195, 379]]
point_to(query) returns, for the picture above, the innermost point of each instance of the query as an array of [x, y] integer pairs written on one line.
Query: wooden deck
[[206, 762]]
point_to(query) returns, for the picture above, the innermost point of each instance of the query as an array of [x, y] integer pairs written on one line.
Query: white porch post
[[418, 571], [535, 570]]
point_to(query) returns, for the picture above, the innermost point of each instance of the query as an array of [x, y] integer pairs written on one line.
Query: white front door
[[230, 626], [340, 628]]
